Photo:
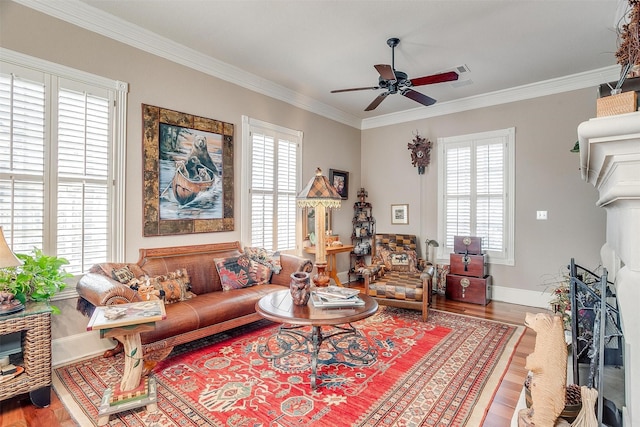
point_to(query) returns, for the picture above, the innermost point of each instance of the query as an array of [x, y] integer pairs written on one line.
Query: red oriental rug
[[443, 372]]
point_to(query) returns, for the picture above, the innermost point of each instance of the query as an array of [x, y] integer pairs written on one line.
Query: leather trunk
[[467, 245], [468, 265], [474, 290]]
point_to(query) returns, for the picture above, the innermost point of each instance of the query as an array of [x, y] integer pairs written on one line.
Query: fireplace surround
[[610, 161]]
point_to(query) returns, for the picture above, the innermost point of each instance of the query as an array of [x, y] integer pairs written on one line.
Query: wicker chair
[[397, 277]]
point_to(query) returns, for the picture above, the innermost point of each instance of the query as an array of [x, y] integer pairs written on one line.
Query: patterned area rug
[[443, 372]]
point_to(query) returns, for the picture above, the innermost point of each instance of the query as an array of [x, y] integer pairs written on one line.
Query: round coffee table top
[[278, 307]]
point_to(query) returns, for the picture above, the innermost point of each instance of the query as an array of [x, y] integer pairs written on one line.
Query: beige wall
[[156, 81], [378, 159], [547, 178]]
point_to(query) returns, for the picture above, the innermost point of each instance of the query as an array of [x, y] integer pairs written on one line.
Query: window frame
[[507, 137], [118, 94], [250, 125]]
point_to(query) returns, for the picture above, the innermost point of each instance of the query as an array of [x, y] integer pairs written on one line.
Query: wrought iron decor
[[188, 173], [596, 333]]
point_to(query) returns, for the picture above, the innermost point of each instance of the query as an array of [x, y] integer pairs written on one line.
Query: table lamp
[[320, 195], [7, 259]]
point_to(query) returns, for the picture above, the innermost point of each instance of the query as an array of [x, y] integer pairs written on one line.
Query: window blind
[[274, 179], [60, 130], [477, 178]]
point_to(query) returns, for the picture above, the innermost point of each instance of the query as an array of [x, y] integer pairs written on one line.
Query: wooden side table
[[125, 322], [331, 259], [34, 323]]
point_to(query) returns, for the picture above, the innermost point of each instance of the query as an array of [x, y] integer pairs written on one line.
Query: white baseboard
[[76, 347], [522, 297], [529, 298]]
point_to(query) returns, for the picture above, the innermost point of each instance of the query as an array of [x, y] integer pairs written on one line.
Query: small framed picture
[[340, 181], [399, 214]]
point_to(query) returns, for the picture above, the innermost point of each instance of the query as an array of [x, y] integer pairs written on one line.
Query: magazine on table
[[337, 292], [323, 302]]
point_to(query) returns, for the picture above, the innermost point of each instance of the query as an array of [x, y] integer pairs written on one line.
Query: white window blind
[[60, 135], [476, 185], [273, 167]]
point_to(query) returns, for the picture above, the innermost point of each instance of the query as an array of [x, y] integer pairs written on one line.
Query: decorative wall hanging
[[420, 152], [188, 173], [340, 181], [399, 214]]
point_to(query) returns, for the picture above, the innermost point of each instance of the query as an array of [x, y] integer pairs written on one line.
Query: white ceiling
[[306, 48]]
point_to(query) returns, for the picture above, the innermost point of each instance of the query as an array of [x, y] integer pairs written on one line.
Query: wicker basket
[[625, 102]]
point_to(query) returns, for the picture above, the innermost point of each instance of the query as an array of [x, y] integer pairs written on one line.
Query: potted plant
[[39, 277]]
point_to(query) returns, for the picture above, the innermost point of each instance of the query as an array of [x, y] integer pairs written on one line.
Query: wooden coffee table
[[293, 336]]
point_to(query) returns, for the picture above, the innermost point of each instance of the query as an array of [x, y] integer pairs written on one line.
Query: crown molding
[[95, 20], [534, 90]]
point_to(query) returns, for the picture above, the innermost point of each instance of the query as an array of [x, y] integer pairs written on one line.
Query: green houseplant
[[39, 278]]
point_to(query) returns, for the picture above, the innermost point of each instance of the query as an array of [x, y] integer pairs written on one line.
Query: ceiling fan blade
[[386, 71], [355, 88], [435, 78], [418, 97], [377, 101]]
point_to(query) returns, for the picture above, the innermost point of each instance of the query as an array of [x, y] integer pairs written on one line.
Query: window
[[476, 187], [271, 166], [61, 175]]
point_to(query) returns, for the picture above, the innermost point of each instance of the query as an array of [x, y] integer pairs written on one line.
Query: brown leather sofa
[[213, 309]]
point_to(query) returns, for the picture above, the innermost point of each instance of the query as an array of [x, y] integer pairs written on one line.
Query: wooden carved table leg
[[132, 377]]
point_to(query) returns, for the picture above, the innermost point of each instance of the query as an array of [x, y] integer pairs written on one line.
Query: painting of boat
[[186, 188]]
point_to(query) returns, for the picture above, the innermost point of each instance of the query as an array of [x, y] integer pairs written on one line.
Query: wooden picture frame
[[399, 214], [183, 195], [340, 181]]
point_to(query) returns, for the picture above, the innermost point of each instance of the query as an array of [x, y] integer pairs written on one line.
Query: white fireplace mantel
[[610, 160]]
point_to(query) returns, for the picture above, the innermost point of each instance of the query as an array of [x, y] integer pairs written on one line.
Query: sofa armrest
[[290, 264], [98, 290]]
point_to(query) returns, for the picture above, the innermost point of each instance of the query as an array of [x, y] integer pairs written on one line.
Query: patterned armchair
[[397, 277]]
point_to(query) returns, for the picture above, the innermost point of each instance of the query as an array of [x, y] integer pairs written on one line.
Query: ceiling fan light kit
[[395, 81]]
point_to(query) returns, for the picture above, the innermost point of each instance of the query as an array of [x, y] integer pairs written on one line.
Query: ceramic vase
[[300, 287]]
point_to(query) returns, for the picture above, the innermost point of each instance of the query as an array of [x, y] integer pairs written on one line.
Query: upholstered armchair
[[397, 277]]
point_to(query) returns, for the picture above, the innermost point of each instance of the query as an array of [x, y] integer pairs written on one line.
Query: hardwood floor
[[19, 412]]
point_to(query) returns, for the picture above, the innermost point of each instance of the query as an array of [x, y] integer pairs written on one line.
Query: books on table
[[333, 292], [335, 298]]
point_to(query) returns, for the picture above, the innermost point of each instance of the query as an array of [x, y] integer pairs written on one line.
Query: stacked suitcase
[[468, 280]]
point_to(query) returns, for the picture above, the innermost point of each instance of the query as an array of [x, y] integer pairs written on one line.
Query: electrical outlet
[[542, 215]]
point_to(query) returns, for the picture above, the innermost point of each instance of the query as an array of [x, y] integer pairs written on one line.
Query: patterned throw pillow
[[241, 272], [264, 257], [173, 287], [399, 261], [123, 274], [384, 254], [406, 260]]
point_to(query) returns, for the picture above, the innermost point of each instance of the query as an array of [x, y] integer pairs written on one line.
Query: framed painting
[[340, 181], [399, 214], [188, 173]]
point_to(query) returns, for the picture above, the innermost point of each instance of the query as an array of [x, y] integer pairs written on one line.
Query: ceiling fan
[[395, 81]]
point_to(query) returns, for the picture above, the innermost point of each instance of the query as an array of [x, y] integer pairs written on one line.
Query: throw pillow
[[123, 274], [264, 257], [400, 260], [385, 255], [241, 272], [173, 287]]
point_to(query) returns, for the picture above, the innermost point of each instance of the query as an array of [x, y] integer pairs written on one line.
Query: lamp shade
[[7, 258], [319, 192]]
